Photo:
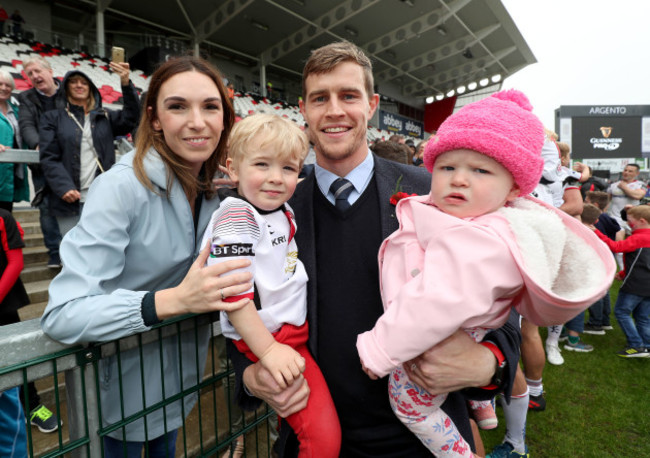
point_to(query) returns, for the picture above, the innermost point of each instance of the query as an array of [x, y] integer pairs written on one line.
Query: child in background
[[254, 221], [634, 294], [599, 311], [471, 249]]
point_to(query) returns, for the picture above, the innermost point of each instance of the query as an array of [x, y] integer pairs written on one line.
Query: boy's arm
[[284, 363], [234, 233], [11, 237], [622, 246], [12, 272]]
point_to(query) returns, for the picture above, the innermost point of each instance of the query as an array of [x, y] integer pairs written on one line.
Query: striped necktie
[[341, 188]]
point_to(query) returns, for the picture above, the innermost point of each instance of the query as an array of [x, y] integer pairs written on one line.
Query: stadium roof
[[426, 47]]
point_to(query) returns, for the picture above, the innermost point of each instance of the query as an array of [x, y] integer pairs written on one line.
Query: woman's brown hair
[[147, 137]]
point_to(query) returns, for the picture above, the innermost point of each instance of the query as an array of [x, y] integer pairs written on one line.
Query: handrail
[[26, 156]]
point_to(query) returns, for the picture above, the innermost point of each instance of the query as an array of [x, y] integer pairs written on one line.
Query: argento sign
[[401, 125], [607, 111]]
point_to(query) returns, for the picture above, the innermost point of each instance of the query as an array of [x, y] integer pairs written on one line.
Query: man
[[627, 191], [339, 247], [33, 103]]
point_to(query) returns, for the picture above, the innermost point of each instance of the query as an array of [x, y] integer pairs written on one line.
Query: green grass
[[596, 403]]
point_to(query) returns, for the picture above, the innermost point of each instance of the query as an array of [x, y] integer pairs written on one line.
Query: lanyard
[[82, 132]]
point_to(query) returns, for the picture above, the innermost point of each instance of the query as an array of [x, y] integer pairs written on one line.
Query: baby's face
[[467, 184]]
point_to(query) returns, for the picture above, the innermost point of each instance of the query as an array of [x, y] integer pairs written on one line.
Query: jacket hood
[[93, 89], [564, 266]]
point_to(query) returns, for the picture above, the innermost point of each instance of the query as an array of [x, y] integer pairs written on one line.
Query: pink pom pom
[[515, 96]]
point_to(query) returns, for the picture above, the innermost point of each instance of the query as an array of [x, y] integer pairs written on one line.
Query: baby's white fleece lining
[[555, 257]]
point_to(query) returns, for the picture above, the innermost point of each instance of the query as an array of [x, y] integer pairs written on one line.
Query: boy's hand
[[284, 363]]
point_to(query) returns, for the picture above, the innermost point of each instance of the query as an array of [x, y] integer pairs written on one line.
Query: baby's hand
[[368, 372], [284, 363]]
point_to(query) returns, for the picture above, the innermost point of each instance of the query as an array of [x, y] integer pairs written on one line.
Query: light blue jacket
[[130, 241]]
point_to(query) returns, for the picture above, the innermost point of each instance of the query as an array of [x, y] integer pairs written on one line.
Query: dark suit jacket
[[387, 173]]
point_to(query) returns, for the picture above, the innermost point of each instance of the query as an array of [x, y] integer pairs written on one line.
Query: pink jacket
[[440, 273]]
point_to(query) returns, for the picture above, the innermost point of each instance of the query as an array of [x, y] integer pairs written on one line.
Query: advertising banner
[[606, 137], [401, 125]]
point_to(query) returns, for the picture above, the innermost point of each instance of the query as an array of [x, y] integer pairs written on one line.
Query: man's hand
[[455, 363], [368, 372], [71, 196], [261, 384], [283, 362]]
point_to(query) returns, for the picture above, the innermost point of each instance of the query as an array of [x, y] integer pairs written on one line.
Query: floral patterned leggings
[[421, 413]]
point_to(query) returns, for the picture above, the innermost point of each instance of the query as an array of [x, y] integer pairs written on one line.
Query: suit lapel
[[386, 178], [302, 203]]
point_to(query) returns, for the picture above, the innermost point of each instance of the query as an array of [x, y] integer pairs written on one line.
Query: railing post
[[80, 384]]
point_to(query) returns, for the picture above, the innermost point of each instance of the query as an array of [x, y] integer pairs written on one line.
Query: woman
[[129, 262], [13, 177], [76, 143]]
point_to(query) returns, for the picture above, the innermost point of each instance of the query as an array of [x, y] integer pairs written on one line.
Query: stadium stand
[[62, 60]]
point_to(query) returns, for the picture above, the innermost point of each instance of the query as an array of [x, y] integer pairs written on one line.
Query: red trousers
[[317, 425]]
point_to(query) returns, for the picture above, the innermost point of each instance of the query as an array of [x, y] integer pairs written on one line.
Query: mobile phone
[[117, 54]]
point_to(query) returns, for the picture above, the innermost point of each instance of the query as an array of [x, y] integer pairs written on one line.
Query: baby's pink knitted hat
[[502, 127]]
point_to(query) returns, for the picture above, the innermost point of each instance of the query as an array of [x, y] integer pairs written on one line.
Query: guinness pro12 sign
[[602, 132]]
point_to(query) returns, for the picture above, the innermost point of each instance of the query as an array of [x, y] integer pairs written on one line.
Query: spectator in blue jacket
[[76, 142]]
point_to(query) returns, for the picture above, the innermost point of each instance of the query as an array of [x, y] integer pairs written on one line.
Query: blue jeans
[[160, 447], [599, 312], [636, 330], [577, 323], [49, 226]]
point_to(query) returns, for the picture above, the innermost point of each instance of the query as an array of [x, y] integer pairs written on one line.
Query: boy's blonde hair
[[284, 136], [640, 212], [590, 214]]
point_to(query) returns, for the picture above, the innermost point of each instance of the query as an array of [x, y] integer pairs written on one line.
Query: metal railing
[[69, 373], [26, 355]]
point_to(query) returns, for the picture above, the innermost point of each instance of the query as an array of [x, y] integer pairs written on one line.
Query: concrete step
[[33, 227], [33, 239], [38, 272], [37, 291], [25, 214], [35, 255], [32, 311]]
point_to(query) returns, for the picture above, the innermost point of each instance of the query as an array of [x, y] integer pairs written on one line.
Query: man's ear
[[374, 104]]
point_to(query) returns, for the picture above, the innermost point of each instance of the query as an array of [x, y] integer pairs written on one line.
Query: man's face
[[41, 78], [630, 173], [337, 109]]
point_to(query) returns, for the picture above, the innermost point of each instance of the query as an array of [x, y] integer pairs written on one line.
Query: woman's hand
[[71, 196], [122, 69], [204, 288]]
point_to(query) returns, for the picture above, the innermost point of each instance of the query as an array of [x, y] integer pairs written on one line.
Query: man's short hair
[[326, 58], [640, 212], [40, 60], [636, 166], [282, 135], [590, 214], [599, 198], [392, 151]]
